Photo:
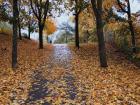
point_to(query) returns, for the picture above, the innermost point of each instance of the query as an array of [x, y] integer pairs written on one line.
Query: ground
[[64, 75]]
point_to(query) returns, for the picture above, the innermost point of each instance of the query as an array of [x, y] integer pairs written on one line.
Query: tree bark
[[133, 36], [19, 28], [101, 42], [131, 28], [19, 25], [77, 31], [97, 8], [40, 36], [29, 33], [14, 38]]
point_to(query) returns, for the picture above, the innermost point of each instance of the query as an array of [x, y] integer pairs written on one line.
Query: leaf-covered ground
[[64, 75]]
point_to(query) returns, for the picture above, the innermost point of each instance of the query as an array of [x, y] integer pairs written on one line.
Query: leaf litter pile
[[64, 75]]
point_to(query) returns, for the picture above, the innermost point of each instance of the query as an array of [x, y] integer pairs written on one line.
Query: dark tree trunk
[[19, 28], [77, 31], [101, 42], [97, 8], [29, 33], [131, 28], [133, 36], [47, 39], [128, 12], [40, 36], [15, 29], [19, 25]]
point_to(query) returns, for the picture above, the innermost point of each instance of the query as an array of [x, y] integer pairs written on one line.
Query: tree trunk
[[47, 39], [101, 42], [40, 36], [19, 28], [77, 31], [97, 8], [15, 29], [131, 28], [133, 37], [19, 25], [29, 33]]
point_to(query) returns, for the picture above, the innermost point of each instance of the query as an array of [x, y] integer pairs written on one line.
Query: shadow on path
[[39, 89], [61, 57], [71, 88]]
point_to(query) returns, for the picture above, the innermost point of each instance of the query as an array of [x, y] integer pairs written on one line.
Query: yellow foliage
[[86, 21], [50, 26], [107, 4]]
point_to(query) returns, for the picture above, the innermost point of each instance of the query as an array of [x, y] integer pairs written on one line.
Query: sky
[[135, 6]]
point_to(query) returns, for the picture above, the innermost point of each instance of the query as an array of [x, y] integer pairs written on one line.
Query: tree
[[97, 8], [29, 25], [19, 25], [52, 26], [77, 12], [125, 7], [80, 5], [14, 39], [27, 18], [68, 30], [40, 9]]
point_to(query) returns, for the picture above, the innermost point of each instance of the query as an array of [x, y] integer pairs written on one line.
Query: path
[[60, 86]]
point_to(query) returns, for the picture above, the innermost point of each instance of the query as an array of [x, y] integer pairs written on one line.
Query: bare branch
[[34, 11], [120, 5]]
